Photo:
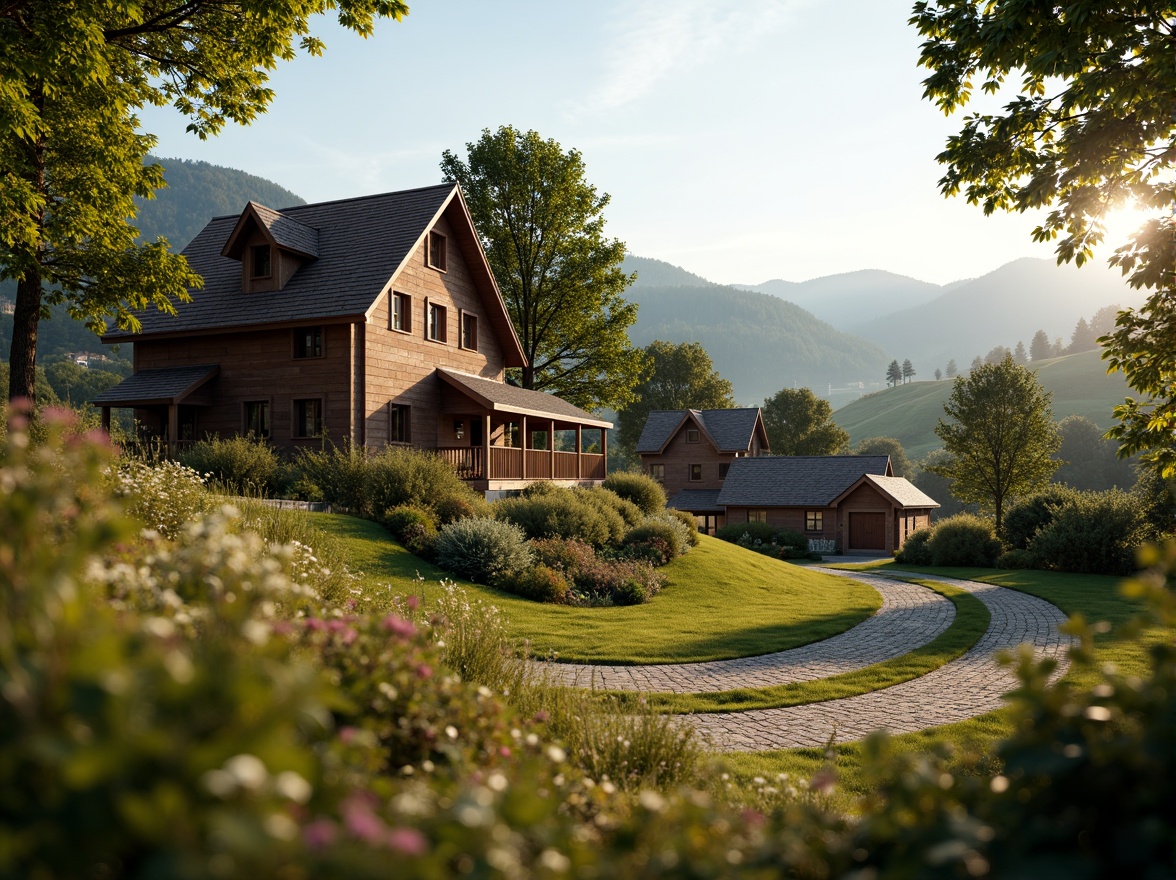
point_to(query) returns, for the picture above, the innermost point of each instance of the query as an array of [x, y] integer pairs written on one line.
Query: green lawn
[[1095, 597], [720, 602], [970, 623]]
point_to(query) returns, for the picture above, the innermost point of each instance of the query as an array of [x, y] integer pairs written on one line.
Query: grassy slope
[[720, 601], [1079, 384], [1095, 597]]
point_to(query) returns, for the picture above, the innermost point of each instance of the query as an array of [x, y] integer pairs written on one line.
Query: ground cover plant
[[719, 602]]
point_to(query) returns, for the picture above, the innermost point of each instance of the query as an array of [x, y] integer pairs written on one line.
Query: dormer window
[[260, 257], [435, 251]]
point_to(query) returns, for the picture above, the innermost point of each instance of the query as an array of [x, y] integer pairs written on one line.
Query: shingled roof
[[796, 480], [696, 501], [500, 397], [357, 246], [150, 387], [730, 430], [900, 491]]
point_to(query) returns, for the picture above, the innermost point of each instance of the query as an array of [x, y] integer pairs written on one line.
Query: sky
[[744, 141]]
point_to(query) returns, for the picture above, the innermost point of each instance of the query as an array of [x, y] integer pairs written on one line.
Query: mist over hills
[[866, 295]]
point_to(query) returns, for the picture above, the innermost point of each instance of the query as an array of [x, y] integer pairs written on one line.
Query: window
[[435, 251], [259, 255], [308, 417], [399, 423], [692, 435], [257, 418], [695, 473], [469, 331], [401, 312], [437, 323], [308, 342], [757, 516], [723, 468], [814, 520], [658, 472]]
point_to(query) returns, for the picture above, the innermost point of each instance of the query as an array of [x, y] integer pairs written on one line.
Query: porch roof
[[500, 397], [696, 501], [167, 385]]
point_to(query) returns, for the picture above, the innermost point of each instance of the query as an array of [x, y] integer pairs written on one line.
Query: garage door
[[867, 531]]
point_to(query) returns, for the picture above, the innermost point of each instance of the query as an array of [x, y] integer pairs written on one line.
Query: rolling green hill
[[1079, 384]]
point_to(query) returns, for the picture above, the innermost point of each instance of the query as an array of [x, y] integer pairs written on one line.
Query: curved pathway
[[910, 617]]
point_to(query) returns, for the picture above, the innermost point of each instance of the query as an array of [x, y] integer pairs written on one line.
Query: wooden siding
[[260, 365], [679, 455], [791, 518], [398, 366]]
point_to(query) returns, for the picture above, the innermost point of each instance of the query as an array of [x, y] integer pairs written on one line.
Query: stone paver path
[[963, 688], [910, 617]]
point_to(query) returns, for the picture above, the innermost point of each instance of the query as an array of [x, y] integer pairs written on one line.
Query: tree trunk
[[22, 358]]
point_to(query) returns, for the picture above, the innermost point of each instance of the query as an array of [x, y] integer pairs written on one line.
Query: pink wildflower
[[413, 602], [423, 670], [399, 627], [408, 841], [361, 822], [320, 833]]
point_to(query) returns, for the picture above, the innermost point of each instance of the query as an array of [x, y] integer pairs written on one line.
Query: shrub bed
[[487, 550], [964, 540], [644, 491], [239, 465], [1093, 532]]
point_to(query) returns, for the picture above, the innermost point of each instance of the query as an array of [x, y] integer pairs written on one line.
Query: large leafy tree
[[72, 78], [542, 225], [800, 423], [900, 462], [1000, 436], [1091, 129], [678, 376]]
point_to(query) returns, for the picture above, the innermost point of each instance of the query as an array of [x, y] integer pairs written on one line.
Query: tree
[[1103, 321], [899, 460], [977, 363], [1088, 460], [1020, 356], [1082, 339], [680, 376], [893, 373], [938, 374], [1039, 347], [998, 354], [952, 369], [542, 225], [800, 423], [1091, 129], [72, 79], [908, 371], [1001, 435]]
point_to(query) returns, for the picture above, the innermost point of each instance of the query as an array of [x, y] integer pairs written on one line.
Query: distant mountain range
[[865, 295]]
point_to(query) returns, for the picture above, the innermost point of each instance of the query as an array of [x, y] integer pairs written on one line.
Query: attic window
[[259, 256], [436, 251], [692, 435]]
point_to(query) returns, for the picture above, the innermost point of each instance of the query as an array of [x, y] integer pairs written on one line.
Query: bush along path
[[970, 685]]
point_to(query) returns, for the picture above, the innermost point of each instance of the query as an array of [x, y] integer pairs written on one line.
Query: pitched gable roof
[[361, 245], [163, 385], [796, 480], [729, 430], [500, 397], [900, 491]]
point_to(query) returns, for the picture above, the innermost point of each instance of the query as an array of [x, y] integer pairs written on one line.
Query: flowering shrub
[[568, 555], [617, 582], [484, 550], [164, 496], [539, 582]]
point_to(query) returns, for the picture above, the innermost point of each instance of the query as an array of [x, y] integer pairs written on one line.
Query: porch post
[[486, 446], [604, 449], [523, 439], [579, 451], [173, 424], [106, 420], [551, 445]]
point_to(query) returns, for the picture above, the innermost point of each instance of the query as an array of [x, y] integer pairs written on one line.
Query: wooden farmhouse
[[370, 321], [853, 503], [690, 452]]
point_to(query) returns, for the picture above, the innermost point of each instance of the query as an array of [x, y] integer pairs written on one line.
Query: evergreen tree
[[1020, 358], [893, 373], [1039, 347], [908, 371], [1000, 435], [1082, 339], [977, 363], [938, 374], [952, 369]]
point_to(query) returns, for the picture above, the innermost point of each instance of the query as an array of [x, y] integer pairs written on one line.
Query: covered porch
[[166, 401], [504, 437]]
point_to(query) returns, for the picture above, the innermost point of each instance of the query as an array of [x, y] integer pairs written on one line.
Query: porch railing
[[466, 460], [506, 463]]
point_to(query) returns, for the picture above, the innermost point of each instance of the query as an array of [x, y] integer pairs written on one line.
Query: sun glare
[[1122, 222]]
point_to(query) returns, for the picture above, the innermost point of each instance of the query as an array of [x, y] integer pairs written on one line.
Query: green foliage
[[450, 508], [1029, 515], [916, 549], [563, 513], [1093, 532], [621, 515], [656, 541], [1018, 559], [540, 583], [1157, 499], [414, 527], [1001, 435], [677, 377], [964, 540], [1083, 137], [800, 423], [888, 446], [1089, 461], [484, 550], [239, 465], [165, 496], [644, 491], [542, 226], [687, 519], [73, 383]]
